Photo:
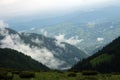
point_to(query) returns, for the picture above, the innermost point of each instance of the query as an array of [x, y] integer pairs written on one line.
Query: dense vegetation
[[105, 60], [16, 60]]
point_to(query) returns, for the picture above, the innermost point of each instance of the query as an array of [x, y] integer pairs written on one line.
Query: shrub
[[76, 71], [115, 73], [58, 71], [72, 74], [27, 74], [89, 73], [90, 78], [6, 75], [15, 72], [9, 76], [108, 75], [3, 74], [103, 75]]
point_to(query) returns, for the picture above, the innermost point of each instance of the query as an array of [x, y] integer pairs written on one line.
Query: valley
[[59, 40]]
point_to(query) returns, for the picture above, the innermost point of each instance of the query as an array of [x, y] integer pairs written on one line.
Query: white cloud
[[42, 55], [60, 37], [13, 7], [26, 34], [100, 39], [44, 32], [111, 27], [2, 24], [37, 41], [73, 40], [58, 43], [76, 59], [32, 29]]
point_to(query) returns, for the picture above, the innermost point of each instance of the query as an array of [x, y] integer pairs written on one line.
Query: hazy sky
[[23, 7]]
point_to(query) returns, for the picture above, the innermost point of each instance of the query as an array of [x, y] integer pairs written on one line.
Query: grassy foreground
[[68, 76]]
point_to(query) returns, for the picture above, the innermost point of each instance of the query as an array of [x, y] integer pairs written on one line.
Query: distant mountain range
[[95, 27], [12, 59], [105, 60], [48, 51], [92, 35]]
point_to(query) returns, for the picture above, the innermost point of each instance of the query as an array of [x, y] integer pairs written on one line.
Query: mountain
[[95, 26], [98, 33], [105, 60], [48, 51], [12, 59], [77, 17]]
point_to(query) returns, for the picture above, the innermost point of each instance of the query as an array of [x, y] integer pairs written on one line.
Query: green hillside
[[105, 60], [16, 60]]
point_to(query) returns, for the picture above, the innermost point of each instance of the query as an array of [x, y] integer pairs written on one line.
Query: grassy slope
[[64, 76], [16, 60], [105, 60]]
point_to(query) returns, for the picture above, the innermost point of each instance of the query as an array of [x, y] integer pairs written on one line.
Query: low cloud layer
[[3, 25], [42, 55], [61, 38], [32, 29], [73, 40], [44, 32], [100, 39], [3, 32]]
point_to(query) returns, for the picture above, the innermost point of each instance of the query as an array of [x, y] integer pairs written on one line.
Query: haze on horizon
[[12, 8]]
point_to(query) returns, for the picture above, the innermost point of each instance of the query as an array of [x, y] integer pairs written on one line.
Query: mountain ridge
[[12, 59], [47, 50], [105, 60]]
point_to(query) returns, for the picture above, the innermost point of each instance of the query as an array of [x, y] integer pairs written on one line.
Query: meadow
[[56, 75]]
